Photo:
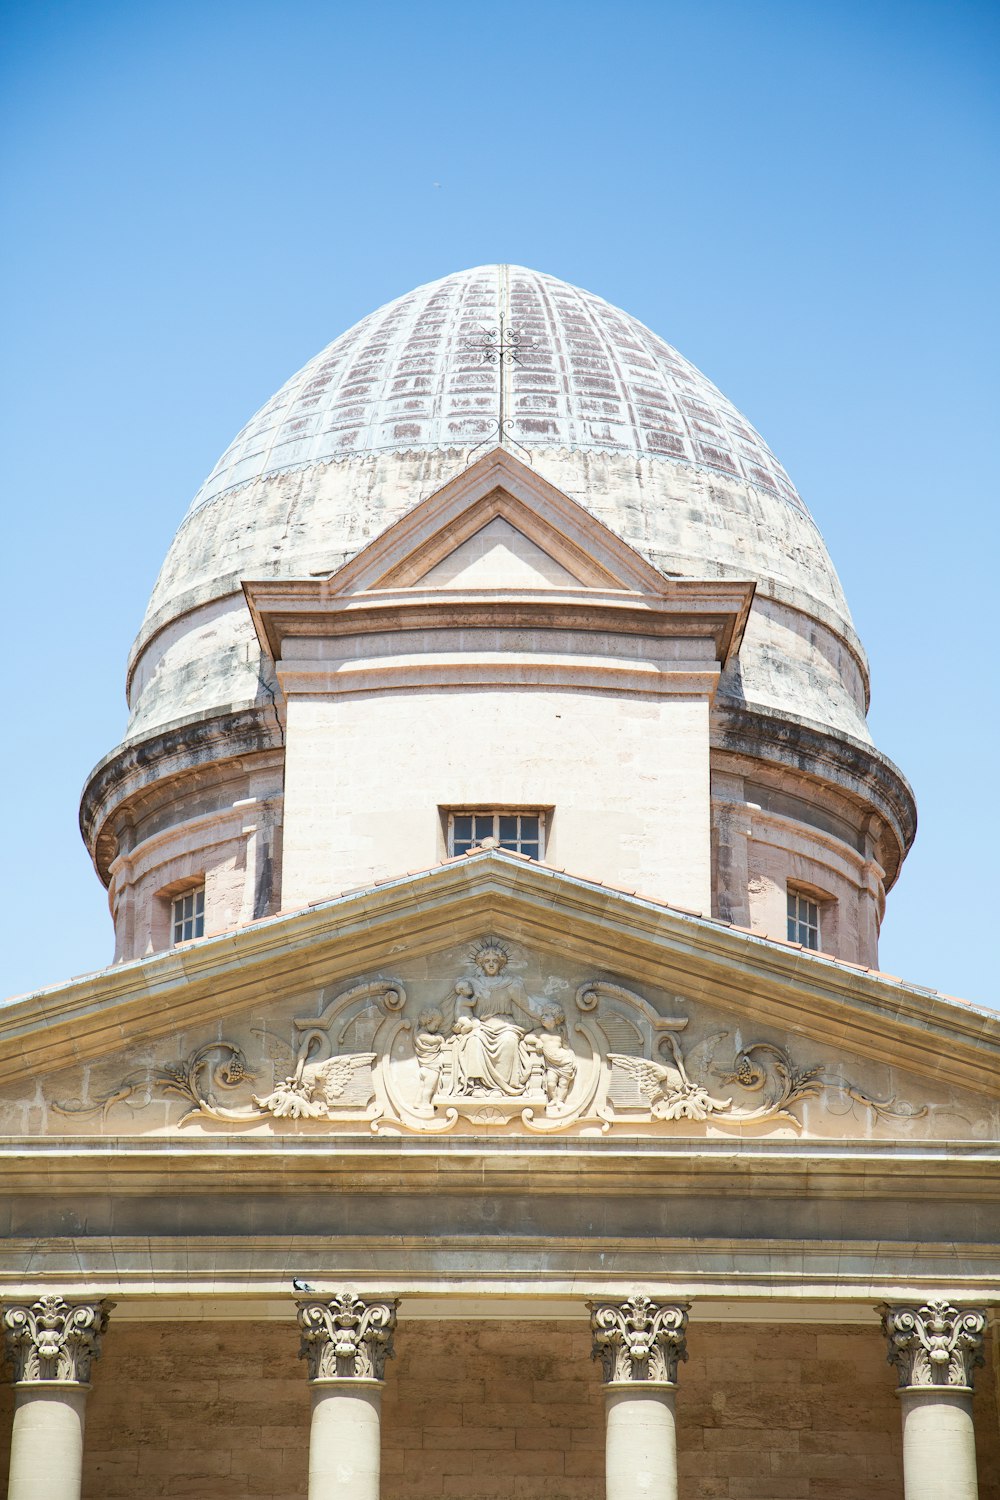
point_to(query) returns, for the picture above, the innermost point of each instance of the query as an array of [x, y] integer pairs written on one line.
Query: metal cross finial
[[501, 346]]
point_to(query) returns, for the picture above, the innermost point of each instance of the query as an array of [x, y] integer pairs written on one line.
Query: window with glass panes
[[803, 920], [188, 914], [522, 832]]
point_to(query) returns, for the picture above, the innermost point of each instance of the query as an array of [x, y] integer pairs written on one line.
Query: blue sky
[[801, 197]]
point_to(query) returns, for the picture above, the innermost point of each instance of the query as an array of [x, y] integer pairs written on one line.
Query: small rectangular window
[[803, 920], [188, 915], [521, 832]]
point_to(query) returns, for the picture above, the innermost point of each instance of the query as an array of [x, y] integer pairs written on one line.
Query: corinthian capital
[[344, 1338], [639, 1339], [54, 1340], [934, 1345]]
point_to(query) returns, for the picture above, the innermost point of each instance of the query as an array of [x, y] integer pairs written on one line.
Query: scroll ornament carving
[[934, 1345], [216, 1065], [344, 1338], [53, 1340], [639, 1339], [491, 1051]]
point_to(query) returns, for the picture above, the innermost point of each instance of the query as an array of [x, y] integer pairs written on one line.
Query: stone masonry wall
[[499, 1411]]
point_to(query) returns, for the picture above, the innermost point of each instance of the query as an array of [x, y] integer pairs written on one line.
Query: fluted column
[[935, 1349], [52, 1345], [640, 1344], [346, 1342]]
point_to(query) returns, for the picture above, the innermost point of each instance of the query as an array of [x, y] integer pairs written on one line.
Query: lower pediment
[[500, 1035]]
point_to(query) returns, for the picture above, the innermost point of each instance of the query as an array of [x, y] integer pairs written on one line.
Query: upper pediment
[[499, 556], [500, 545], [491, 996]]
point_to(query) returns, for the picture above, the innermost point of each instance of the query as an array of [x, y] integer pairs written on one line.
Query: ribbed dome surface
[[401, 403], [413, 375]]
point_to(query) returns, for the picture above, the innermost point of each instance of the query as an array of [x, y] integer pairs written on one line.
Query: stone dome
[[586, 377], [603, 407], [207, 783]]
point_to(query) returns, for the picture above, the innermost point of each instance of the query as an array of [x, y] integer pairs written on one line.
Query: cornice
[[860, 771], [503, 1166], [217, 738]]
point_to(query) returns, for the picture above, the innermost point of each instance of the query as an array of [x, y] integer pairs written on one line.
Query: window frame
[[496, 814], [811, 924], [195, 894]]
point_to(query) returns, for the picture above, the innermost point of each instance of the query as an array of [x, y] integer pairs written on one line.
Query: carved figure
[[669, 1091], [492, 1054], [559, 1059], [314, 1088], [488, 1055], [429, 1044]]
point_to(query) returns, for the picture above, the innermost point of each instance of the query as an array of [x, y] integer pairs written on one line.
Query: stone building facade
[[496, 853]]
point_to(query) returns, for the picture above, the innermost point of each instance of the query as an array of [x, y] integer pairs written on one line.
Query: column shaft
[[46, 1451], [641, 1451], [345, 1440], [939, 1445]]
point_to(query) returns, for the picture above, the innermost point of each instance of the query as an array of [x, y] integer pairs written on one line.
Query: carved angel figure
[[559, 1059], [314, 1087], [668, 1090], [429, 1047]]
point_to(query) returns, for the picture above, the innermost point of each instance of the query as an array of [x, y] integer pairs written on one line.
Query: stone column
[[346, 1342], [935, 1349], [51, 1344], [640, 1344]]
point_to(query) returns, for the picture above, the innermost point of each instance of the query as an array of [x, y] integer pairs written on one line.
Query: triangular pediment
[[363, 1016], [498, 525], [498, 556]]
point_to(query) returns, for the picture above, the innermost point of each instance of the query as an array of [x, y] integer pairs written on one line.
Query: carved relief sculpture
[[344, 1338], [639, 1339], [53, 1340], [490, 1053], [934, 1345]]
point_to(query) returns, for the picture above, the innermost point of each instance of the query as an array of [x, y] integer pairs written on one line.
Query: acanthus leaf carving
[[346, 1338], [934, 1345], [53, 1340], [639, 1339]]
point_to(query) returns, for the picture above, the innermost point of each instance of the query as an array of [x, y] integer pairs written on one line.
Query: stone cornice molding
[[936, 1346], [247, 730], [775, 984], [933, 1171], [51, 1341], [639, 1340], [346, 1338], [858, 771]]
